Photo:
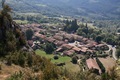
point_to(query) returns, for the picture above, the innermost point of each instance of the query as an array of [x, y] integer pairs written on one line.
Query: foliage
[[74, 59], [16, 76], [49, 48], [29, 34], [99, 39], [56, 57], [71, 26]]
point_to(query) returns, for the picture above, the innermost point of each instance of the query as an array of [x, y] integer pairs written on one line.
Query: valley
[[59, 40]]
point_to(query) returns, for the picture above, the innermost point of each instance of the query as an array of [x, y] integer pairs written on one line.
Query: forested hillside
[[97, 9]]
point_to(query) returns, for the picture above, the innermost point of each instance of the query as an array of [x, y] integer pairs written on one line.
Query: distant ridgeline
[[96, 9]]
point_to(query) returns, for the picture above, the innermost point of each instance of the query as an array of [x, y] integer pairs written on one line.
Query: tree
[[99, 38], [5, 19], [74, 60], [29, 34], [71, 26], [49, 48]]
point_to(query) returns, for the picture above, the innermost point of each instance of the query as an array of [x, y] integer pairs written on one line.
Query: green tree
[[29, 34], [49, 48], [99, 39], [74, 59], [5, 19]]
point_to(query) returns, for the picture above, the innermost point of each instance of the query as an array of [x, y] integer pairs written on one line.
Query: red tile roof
[[67, 46], [69, 53], [76, 49], [58, 37]]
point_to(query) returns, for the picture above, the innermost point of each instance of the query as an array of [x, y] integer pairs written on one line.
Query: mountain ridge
[[106, 9]]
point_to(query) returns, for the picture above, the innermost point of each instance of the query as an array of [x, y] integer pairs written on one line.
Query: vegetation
[[100, 65], [49, 48], [40, 66], [71, 26], [29, 34], [74, 60]]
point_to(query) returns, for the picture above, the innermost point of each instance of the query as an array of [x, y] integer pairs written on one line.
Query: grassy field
[[21, 22], [50, 56], [68, 64], [43, 54], [108, 63], [62, 60]]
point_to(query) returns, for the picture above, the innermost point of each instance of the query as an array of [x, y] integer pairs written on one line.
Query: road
[[113, 51]]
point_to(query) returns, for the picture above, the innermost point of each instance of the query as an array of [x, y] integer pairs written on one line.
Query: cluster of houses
[[68, 44]]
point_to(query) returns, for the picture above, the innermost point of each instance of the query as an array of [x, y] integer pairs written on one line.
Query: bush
[[56, 57], [29, 34], [49, 48], [74, 60]]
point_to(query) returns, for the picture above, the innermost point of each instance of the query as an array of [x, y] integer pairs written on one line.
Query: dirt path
[[114, 51], [4, 76]]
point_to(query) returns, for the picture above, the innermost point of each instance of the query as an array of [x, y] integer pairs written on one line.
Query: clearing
[[108, 63]]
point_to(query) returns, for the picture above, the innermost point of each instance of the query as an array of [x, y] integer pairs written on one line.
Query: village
[[88, 53]]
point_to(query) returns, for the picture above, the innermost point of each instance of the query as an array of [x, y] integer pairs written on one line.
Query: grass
[[50, 56], [72, 67], [20, 21], [68, 64], [61, 60], [43, 54]]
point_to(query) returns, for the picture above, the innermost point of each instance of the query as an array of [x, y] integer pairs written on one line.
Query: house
[[84, 49], [79, 38], [69, 53], [90, 45], [90, 51], [66, 46], [50, 39], [30, 42], [75, 36], [40, 35], [57, 37], [84, 40], [69, 37], [59, 50], [76, 49], [59, 43], [92, 64]]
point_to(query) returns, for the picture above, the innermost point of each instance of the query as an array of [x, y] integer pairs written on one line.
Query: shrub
[[56, 57], [29, 34], [74, 60]]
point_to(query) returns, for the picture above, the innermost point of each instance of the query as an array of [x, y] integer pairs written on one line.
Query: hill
[[97, 9]]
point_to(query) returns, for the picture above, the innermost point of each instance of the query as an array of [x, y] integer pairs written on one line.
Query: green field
[[43, 54], [61, 60], [50, 56], [68, 64], [21, 22]]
